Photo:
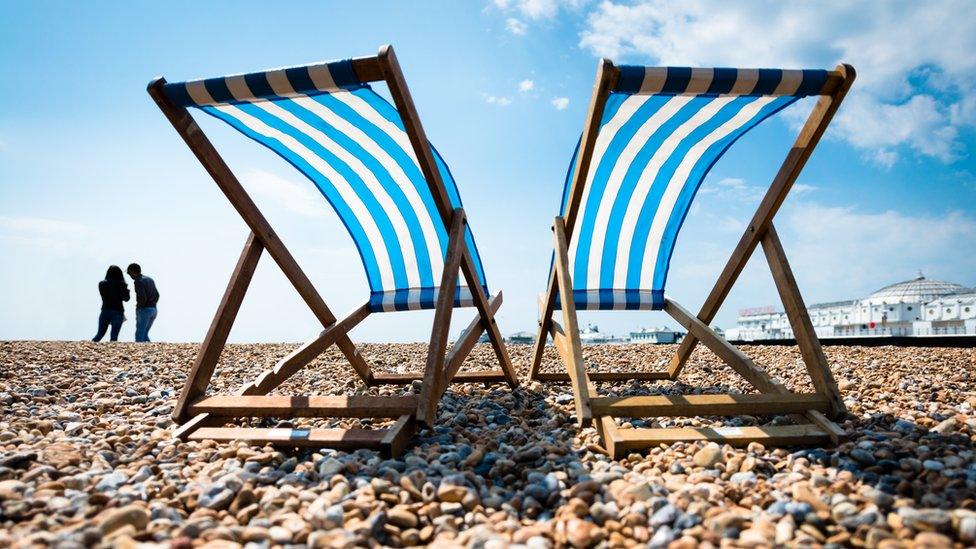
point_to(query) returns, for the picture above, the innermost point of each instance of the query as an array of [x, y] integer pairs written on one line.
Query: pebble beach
[[87, 458]]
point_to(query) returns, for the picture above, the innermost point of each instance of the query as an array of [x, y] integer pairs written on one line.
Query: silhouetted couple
[[115, 291]]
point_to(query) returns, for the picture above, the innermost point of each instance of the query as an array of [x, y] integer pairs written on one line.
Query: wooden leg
[[546, 308], [394, 442], [796, 312], [203, 367], [488, 318], [575, 368], [462, 347], [796, 159], [429, 395]]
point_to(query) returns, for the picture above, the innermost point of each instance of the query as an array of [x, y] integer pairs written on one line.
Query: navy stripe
[[677, 81], [258, 83], [813, 82], [343, 74], [769, 79], [176, 92], [217, 88], [630, 79], [299, 78], [722, 81]]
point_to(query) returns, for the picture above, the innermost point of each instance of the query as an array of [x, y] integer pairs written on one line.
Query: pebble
[[708, 456], [82, 463]]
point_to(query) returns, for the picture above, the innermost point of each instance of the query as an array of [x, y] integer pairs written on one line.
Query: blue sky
[[91, 174]]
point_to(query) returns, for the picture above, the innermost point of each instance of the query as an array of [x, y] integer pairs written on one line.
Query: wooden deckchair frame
[[199, 414], [816, 408]]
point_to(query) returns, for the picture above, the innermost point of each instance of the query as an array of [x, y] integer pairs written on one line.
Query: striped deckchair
[[651, 136], [398, 201]]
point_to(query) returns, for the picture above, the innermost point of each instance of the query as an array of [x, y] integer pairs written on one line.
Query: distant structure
[[592, 336], [656, 335], [521, 338], [916, 307]]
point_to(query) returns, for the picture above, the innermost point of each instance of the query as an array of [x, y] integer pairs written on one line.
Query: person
[[114, 291], [146, 297]]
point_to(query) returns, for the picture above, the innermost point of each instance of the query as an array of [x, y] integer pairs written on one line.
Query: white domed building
[[916, 307]]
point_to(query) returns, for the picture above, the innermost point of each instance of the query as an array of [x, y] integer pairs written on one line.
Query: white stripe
[[663, 153], [413, 299], [745, 81], [391, 166], [654, 79], [198, 92], [238, 88], [389, 301], [279, 83], [375, 187], [364, 109], [679, 178], [616, 178], [603, 139], [790, 83], [322, 78], [701, 80], [383, 259]]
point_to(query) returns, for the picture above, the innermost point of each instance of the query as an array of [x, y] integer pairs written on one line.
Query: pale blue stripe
[[375, 210], [604, 166], [648, 211], [632, 178], [695, 178], [351, 222], [383, 176]]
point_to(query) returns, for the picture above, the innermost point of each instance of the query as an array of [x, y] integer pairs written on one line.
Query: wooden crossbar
[[778, 435], [306, 406], [707, 405], [486, 376], [389, 442], [556, 377]]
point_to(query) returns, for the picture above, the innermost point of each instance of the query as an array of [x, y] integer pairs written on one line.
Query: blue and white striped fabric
[[662, 130], [351, 143]]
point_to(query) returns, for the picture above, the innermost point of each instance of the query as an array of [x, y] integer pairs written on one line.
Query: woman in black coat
[[114, 291]]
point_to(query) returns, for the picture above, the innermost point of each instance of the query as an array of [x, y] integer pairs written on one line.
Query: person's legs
[[142, 321], [152, 318], [103, 321], [117, 318]]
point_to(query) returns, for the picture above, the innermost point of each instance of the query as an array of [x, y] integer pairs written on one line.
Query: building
[[521, 338], [916, 307], [656, 335], [591, 335]]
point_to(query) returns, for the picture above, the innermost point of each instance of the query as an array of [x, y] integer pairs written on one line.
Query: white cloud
[[515, 26], [560, 103], [916, 72], [534, 10], [300, 198], [526, 85], [834, 246], [45, 233], [495, 100]]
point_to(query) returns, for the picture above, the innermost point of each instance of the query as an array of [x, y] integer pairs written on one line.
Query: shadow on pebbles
[[87, 458]]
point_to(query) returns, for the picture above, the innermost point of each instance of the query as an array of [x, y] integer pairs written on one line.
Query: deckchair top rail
[[716, 81], [319, 77]]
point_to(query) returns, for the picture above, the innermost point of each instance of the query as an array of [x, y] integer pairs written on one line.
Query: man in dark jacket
[[146, 297]]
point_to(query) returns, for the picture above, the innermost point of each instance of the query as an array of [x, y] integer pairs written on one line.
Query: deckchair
[[396, 197], [650, 137]]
